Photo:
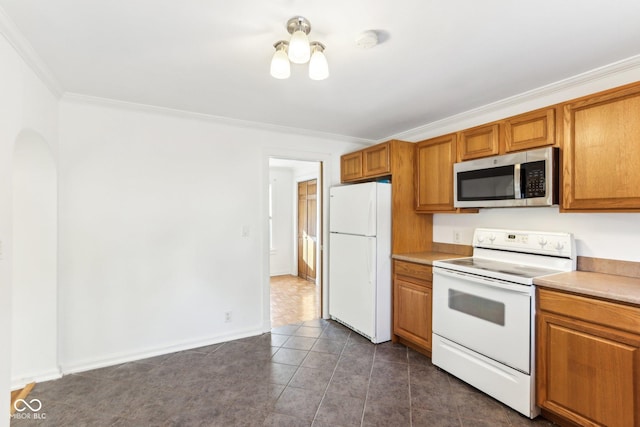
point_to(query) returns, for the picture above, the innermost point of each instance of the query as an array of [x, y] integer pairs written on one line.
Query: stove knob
[[480, 238], [542, 241], [492, 237], [559, 245]]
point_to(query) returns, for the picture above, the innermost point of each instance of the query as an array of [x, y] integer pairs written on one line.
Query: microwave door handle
[[516, 181]]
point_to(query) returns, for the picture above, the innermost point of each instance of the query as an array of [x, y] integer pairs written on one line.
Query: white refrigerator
[[360, 258]]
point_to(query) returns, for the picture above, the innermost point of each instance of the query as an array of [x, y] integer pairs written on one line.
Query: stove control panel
[[534, 242]]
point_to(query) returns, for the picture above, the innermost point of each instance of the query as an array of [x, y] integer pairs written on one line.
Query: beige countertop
[[606, 286], [425, 257]]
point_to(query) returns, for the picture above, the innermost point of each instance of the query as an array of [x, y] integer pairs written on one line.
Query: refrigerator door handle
[[372, 217], [371, 252]]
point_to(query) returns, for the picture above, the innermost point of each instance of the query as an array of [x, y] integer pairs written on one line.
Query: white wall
[[25, 105], [152, 212], [282, 246], [613, 236], [35, 234]]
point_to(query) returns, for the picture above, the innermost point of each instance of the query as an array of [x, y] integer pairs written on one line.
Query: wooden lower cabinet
[[588, 360], [412, 303]]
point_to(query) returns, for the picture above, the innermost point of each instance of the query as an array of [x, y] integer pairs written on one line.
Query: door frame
[[324, 161]]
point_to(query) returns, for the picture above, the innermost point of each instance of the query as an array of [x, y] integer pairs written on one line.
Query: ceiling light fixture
[[299, 51], [280, 66]]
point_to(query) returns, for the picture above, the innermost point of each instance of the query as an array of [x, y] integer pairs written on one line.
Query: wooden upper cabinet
[[481, 141], [370, 162], [601, 159], [393, 161], [434, 174], [351, 166], [376, 160], [531, 130]]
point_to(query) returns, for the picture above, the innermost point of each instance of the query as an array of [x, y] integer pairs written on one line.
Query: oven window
[[473, 305], [486, 184]]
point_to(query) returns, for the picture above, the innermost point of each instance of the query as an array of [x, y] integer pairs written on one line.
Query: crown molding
[[24, 49], [606, 77], [184, 114]]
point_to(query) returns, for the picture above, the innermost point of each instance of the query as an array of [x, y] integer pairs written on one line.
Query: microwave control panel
[[534, 180]]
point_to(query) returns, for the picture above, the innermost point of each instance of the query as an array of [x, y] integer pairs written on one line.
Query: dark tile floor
[[313, 373]]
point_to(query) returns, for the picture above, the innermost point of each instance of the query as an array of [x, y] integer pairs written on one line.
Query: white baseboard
[[37, 377], [118, 358]]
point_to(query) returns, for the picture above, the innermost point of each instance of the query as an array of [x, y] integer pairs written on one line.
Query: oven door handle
[[486, 281]]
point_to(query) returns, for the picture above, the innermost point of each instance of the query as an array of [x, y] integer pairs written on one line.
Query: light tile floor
[[293, 300]]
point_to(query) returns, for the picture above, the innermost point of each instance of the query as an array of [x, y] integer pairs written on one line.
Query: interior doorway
[[295, 235]]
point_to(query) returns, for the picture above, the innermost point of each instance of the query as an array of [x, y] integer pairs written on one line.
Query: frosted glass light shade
[[299, 49], [318, 66], [280, 66]]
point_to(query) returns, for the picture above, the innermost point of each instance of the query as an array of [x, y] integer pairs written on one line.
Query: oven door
[[488, 316]]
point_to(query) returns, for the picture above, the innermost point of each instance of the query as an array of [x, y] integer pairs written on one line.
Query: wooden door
[[307, 229]]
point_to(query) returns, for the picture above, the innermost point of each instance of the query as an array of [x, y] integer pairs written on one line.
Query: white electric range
[[484, 311]]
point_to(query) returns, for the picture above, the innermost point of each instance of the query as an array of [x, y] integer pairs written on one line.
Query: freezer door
[[352, 209], [352, 281]]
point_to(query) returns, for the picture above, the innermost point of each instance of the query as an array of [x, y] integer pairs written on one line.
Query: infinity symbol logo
[[37, 405]]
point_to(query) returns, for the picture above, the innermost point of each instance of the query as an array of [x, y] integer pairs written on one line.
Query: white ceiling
[[437, 58]]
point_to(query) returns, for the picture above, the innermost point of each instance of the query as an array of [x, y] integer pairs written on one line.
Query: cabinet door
[[588, 373], [434, 174], [602, 152], [412, 312], [531, 130], [478, 142], [351, 166], [376, 160]]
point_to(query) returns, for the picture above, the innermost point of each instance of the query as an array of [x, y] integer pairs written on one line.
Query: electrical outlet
[[456, 236], [227, 316]]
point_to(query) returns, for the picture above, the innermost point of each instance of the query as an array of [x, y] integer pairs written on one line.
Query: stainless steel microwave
[[526, 178]]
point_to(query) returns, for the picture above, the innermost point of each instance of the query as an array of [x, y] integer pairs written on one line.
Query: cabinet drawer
[[619, 316], [414, 270]]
